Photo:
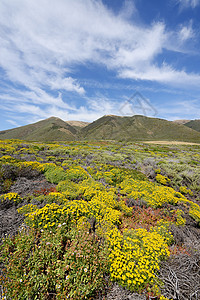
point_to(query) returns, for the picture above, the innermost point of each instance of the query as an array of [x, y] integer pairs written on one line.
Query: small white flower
[[67, 277], [64, 223], [21, 280], [59, 225], [85, 270]]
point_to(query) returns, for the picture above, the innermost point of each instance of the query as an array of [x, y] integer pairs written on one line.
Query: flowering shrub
[[86, 189], [49, 216], [194, 212], [162, 179], [135, 256], [76, 174], [151, 193], [180, 221], [8, 199], [185, 190]]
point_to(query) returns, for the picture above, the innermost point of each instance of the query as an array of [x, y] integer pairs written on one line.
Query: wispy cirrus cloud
[[44, 43], [188, 3]]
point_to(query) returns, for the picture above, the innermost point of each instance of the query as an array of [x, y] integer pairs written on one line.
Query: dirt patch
[[10, 219], [24, 186]]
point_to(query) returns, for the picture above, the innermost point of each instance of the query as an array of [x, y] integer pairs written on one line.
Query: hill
[[182, 122], [194, 124], [109, 127], [138, 128], [77, 124], [51, 129]]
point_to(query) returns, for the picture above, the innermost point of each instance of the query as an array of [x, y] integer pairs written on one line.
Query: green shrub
[[65, 264], [55, 174]]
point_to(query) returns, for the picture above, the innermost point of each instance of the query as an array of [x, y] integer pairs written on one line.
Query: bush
[[65, 264], [55, 174], [135, 257]]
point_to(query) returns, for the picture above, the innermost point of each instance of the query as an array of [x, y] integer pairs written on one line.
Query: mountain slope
[[51, 129], [138, 128], [194, 124], [77, 124], [182, 122]]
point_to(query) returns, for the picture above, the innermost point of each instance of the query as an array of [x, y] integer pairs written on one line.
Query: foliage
[[65, 264], [101, 216]]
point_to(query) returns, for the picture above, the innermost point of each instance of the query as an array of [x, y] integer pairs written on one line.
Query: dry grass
[[169, 143]]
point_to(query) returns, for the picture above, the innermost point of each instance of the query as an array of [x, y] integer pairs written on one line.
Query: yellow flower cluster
[[162, 228], [162, 179], [153, 194], [51, 214], [194, 209], [45, 217], [88, 188], [55, 197], [180, 221], [194, 212], [11, 197], [27, 209], [135, 256], [7, 158], [76, 173], [185, 190], [33, 164], [164, 298]]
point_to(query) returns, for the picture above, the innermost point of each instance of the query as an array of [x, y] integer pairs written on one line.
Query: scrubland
[[82, 220]]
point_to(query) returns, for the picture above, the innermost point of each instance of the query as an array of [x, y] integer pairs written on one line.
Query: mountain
[[138, 128], [109, 127], [51, 129], [194, 124], [182, 122], [77, 124]]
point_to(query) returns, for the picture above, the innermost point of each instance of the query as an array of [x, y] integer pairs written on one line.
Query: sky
[[82, 59]]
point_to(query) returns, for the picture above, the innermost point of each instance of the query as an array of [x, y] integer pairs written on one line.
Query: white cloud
[[68, 84], [186, 33], [128, 9], [188, 3], [180, 109], [41, 40], [43, 43], [164, 74]]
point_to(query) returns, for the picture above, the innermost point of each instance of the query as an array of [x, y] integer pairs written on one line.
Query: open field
[[170, 143], [99, 220]]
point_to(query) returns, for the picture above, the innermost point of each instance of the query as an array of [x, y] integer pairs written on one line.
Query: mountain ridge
[[108, 127], [194, 124]]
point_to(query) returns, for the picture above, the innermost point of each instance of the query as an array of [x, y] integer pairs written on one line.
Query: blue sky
[[79, 60]]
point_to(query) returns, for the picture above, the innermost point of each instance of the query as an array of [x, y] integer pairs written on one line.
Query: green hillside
[[51, 129], [110, 127], [194, 124], [138, 128]]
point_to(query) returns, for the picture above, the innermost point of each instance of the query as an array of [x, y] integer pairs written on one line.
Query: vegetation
[[136, 128], [194, 124], [92, 215]]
